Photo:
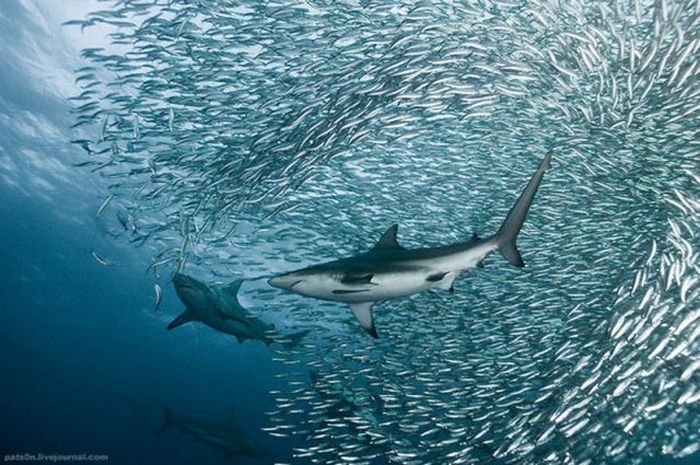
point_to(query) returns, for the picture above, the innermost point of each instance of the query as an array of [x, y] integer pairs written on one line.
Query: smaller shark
[[219, 308], [359, 409], [390, 271], [226, 435]]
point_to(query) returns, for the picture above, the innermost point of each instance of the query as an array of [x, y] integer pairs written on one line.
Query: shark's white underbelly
[[395, 285], [387, 286]]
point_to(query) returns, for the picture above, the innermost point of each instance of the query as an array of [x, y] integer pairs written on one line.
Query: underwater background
[[239, 139]]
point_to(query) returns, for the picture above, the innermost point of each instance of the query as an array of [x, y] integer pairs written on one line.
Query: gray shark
[[226, 435], [390, 271], [219, 308]]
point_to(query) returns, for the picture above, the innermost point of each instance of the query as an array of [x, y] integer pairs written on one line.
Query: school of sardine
[[242, 138]]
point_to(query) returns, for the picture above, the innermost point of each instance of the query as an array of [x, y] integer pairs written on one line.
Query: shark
[[341, 401], [358, 408], [389, 271], [218, 307], [226, 435]]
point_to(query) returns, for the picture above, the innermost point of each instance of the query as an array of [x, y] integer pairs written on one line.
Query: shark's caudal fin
[[181, 319], [507, 235]]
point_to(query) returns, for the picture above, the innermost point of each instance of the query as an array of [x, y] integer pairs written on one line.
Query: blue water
[[87, 364], [89, 367]]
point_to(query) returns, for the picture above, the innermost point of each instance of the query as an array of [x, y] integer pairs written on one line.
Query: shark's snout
[[188, 289], [182, 281]]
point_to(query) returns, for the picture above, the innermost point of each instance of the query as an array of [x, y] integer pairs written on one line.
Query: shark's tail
[[167, 421], [507, 235]]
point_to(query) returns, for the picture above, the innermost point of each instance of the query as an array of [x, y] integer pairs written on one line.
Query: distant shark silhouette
[[389, 271], [227, 435], [218, 308], [341, 402]]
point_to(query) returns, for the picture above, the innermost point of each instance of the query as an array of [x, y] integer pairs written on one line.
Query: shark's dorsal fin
[[388, 239], [232, 288], [363, 313], [181, 319]]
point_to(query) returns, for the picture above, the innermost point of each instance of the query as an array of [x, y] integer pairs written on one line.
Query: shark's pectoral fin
[[444, 281], [363, 313], [181, 319]]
